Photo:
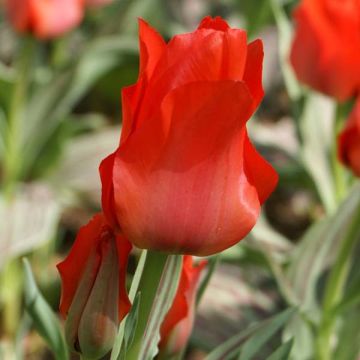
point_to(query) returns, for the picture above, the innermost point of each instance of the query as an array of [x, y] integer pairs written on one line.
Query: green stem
[[334, 289], [13, 156], [153, 269]]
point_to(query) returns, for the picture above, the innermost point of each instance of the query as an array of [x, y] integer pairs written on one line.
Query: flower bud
[[98, 301], [178, 323]]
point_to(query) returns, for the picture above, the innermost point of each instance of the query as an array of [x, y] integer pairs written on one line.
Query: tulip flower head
[[94, 298], [186, 178], [349, 141], [178, 323], [44, 18], [325, 52]]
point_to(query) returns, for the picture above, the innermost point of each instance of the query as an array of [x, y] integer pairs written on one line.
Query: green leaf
[[283, 352], [162, 302], [316, 126], [44, 320], [250, 341], [52, 102]]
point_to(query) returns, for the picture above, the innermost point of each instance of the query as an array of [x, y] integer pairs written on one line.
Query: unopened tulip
[[94, 298], [325, 52], [186, 178], [178, 323], [349, 141], [44, 18]]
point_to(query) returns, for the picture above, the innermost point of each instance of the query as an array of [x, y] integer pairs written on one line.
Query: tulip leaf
[[248, 342], [162, 302], [316, 126], [313, 255], [282, 352], [44, 320]]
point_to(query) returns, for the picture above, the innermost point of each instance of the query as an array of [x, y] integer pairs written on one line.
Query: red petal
[[260, 173], [72, 267], [216, 23], [253, 71], [152, 46], [107, 190]]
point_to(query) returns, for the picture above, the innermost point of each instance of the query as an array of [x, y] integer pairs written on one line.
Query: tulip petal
[[195, 146], [107, 189], [253, 71], [260, 173], [152, 46], [216, 23], [73, 267]]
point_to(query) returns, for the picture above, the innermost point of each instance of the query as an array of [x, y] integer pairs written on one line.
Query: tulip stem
[[335, 288], [150, 278]]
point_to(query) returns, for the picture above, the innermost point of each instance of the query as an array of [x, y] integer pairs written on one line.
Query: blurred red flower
[[178, 323], [185, 178], [94, 298], [349, 141], [44, 18], [325, 52]]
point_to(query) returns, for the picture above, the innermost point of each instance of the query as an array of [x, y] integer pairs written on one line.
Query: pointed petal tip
[[216, 23]]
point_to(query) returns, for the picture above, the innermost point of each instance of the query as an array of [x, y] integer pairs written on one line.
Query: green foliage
[[44, 320]]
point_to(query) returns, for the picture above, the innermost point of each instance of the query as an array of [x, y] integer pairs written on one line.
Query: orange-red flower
[[185, 178], [44, 18], [94, 298], [178, 323], [325, 52], [349, 141]]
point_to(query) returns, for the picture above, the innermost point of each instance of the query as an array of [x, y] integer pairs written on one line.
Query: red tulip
[[178, 323], [94, 297], [186, 178], [349, 141], [44, 18], [325, 52]]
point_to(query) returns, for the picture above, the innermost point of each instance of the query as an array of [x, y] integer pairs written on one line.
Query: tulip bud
[[178, 323], [94, 295]]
